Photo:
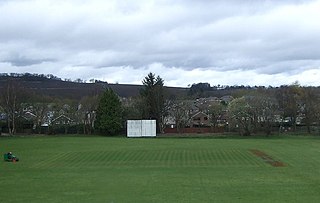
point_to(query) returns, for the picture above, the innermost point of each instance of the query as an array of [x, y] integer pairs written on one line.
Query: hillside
[[73, 90], [50, 85]]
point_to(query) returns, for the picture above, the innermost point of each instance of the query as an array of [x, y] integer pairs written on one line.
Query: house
[[29, 116], [170, 121], [62, 120], [197, 113], [200, 119]]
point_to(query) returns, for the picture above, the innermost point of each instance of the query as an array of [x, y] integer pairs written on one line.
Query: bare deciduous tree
[[87, 108], [12, 96]]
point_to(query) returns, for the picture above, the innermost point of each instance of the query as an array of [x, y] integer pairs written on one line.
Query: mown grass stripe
[[235, 158], [176, 158], [41, 163], [170, 157], [184, 158], [135, 157], [208, 157], [127, 158], [150, 157], [107, 158], [76, 160], [60, 161], [52, 162], [145, 158], [53, 159], [83, 158], [159, 157], [248, 159], [110, 157], [242, 159], [138, 157], [220, 159], [114, 159], [96, 157], [119, 157], [213, 158], [167, 158], [224, 159], [195, 158], [104, 158], [189, 158], [155, 157], [201, 157], [226, 156]]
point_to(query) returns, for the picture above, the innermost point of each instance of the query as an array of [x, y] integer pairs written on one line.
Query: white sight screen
[[141, 128]]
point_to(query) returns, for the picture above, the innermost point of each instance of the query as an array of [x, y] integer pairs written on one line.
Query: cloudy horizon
[[241, 42]]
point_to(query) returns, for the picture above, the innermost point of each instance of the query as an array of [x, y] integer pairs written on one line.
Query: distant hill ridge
[[55, 87], [50, 85]]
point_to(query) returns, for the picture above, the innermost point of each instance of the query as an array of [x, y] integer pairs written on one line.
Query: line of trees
[[103, 113], [284, 108], [21, 109], [253, 109], [36, 76]]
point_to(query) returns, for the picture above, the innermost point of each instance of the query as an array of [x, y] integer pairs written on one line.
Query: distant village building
[[200, 119]]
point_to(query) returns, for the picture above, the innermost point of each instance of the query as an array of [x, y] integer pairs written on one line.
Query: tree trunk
[[9, 126], [13, 124]]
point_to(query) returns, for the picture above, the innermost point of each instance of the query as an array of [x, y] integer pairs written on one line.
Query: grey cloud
[[210, 35], [22, 61]]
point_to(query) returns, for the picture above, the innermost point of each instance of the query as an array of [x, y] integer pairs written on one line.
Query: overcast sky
[[235, 42]]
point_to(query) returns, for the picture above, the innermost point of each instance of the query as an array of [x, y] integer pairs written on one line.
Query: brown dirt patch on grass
[[267, 158]]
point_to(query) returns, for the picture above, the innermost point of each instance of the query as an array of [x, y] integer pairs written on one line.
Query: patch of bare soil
[[267, 158]]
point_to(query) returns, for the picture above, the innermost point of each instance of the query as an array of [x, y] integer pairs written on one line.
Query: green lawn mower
[[10, 157]]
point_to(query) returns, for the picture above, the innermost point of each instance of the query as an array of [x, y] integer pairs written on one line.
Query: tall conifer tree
[[109, 113]]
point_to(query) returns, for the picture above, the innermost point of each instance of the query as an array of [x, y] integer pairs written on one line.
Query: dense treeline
[[30, 76], [35, 76], [206, 90]]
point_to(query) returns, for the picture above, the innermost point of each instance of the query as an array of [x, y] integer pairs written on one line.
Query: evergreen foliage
[[109, 113], [153, 95]]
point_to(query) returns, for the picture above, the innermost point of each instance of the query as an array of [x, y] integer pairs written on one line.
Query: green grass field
[[102, 169]]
